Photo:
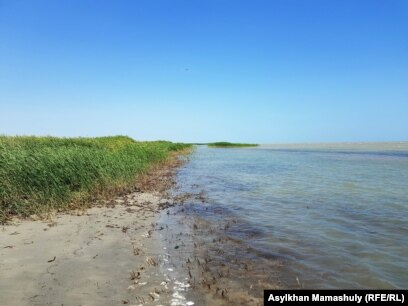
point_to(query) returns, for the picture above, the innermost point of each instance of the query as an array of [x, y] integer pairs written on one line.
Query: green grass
[[224, 144], [41, 174]]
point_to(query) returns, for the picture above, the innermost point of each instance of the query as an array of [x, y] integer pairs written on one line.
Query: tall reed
[[38, 174]]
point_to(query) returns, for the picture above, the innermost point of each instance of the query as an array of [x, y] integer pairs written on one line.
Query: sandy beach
[[84, 259]]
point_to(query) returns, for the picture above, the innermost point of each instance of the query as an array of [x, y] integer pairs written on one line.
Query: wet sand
[[219, 269]]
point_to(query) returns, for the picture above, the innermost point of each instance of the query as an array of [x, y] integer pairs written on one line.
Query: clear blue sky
[[260, 71]]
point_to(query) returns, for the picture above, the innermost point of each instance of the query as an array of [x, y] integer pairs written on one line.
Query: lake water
[[337, 215]]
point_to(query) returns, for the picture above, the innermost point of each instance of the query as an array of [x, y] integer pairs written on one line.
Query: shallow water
[[335, 214]]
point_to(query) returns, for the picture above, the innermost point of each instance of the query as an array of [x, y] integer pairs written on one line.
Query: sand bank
[[105, 256]]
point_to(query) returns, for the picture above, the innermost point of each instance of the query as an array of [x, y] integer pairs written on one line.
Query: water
[[337, 215]]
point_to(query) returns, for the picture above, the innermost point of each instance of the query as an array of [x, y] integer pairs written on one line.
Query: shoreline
[[108, 254], [150, 246]]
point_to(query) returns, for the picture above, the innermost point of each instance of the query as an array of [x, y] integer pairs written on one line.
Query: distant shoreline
[[375, 146], [224, 144]]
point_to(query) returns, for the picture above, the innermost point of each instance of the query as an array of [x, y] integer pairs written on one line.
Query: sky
[[274, 71]]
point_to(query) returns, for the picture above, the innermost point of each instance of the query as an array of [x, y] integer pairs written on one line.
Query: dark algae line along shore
[[224, 144], [41, 174]]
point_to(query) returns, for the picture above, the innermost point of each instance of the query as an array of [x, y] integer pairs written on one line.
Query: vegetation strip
[[41, 174], [224, 144]]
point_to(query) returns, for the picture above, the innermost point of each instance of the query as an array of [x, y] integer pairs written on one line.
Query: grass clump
[[38, 174], [224, 144]]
